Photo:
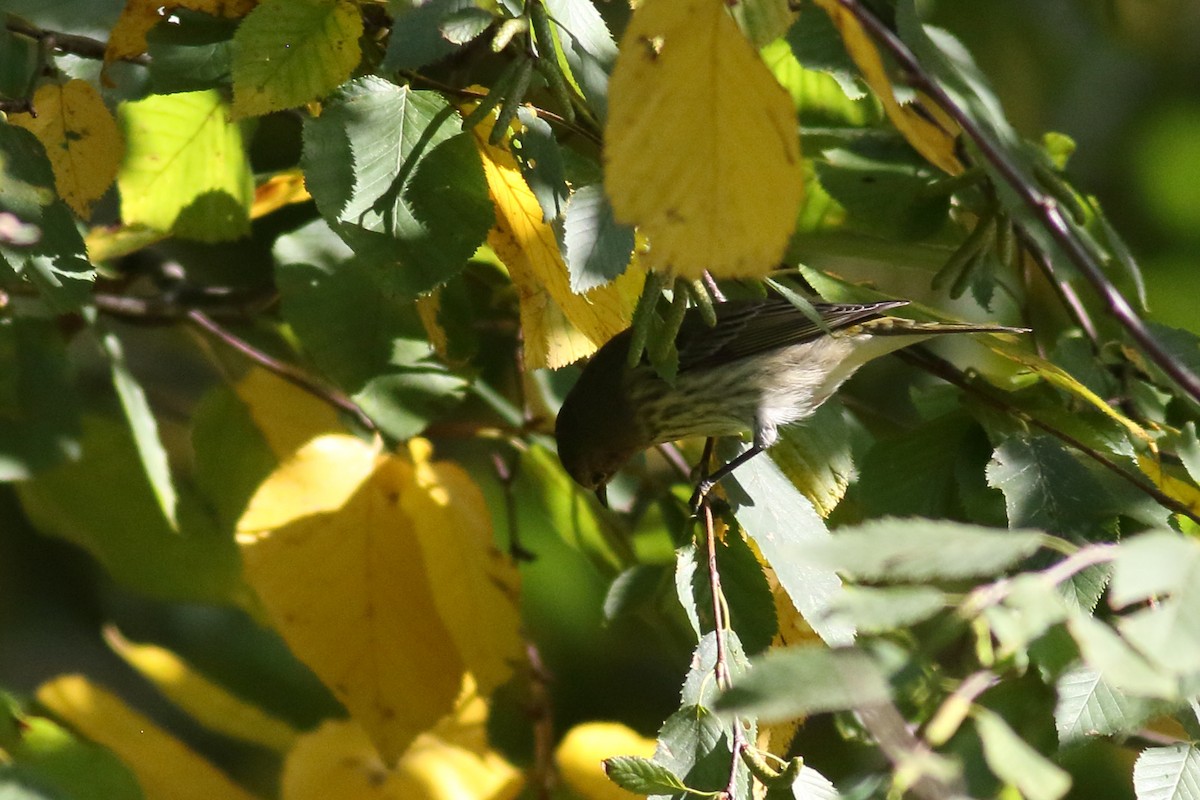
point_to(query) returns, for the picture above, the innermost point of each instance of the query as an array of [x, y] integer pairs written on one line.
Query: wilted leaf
[[290, 52], [701, 144], [81, 140]]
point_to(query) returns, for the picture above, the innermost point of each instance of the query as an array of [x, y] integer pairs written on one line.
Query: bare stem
[[82, 46]]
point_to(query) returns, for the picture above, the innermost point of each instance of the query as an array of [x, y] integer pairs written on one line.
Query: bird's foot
[[701, 494]]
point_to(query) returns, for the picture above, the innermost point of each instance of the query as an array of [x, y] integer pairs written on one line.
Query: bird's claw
[[698, 496]]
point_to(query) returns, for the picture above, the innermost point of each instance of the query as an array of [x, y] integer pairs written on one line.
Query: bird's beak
[[602, 494]]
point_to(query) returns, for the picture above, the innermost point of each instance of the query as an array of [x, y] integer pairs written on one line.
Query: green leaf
[[232, 458], [1128, 671], [783, 524], [1046, 486], [915, 473], [1031, 606], [291, 52], [642, 776], [587, 46], [143, 426], [699, 688], [819, 456], [1189, 451], [47, 756], [743, 585], [694, 744], [1162, 567], [1168, 773], [362, 333], [541, 161], [818, 46], [193, 55], [392, 174], [796, 681], [416, 38], [884, 186], [45, 248], [598, 248], [465, 25], [39, 412], [870, 610], [809, 785], [919, 550], [1015, 762], [131, 538], [633, 589], [186, 168], [763, 21], [1088, 705]]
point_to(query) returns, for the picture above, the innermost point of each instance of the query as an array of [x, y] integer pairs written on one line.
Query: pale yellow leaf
[[428, 308], [206, 701], [928, 129], [559, 326], [164, 766], [185, 167], [128, 37], [702, 149], [1186, 493], [81, 140], [476, 586], [286, 415], [581, 754], [450, 762], [336, 561]]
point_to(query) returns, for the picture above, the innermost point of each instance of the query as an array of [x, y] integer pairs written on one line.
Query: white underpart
[[798, 379]]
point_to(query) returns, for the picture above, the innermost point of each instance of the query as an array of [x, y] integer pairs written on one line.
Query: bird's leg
[[707, 483]]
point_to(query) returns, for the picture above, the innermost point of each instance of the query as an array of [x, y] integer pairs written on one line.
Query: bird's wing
[[749, 327]]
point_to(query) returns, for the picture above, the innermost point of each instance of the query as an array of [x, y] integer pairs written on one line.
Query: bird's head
[[597, 431]]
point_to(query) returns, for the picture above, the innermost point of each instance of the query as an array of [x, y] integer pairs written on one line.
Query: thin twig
[[1044, 207], [287, 371], [82, 46], [951, 374]]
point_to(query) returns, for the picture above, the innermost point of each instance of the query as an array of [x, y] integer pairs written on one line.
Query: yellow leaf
[[1184, 492], [932, 138], [581, 753], [701, 144], [428, 308], [185, 167], [128, 36], [476, 587], [209, 703], [278, 191], [450, 762], [336, 561], [164, 766], [81, 140], [290, 52], [287, 415], [559, 326]]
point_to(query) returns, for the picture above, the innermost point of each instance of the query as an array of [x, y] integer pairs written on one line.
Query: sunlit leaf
[[872, 610], [580, 757], [290, 52], [1168, 773], [1089, 706], [701, 145], [81, 140], [165, 767], [185, 168], [128, 36], [559, 326], [43, 756]]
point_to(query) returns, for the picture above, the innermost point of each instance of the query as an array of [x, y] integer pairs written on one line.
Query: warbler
[[764, 365]]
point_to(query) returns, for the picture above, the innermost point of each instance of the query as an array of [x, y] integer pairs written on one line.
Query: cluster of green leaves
[[407, 210]]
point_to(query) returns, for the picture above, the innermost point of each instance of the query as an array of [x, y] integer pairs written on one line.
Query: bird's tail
[[899, 326]]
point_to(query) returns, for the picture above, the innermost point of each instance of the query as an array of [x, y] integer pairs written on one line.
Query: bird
[[764, 365]]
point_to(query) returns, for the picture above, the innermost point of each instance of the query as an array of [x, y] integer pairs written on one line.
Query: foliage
[[290, 292]]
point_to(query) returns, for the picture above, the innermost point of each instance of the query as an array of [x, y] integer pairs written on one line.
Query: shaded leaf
[[541, 160], [797, 681], [416, 38], [1090, 706], [46, 756], [598, 248], [914, 549], [1015, 762]]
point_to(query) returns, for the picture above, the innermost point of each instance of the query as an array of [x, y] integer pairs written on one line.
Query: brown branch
[[82, 46], [951, 374], [1044, 207]]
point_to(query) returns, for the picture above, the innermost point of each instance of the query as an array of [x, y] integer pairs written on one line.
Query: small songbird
[[764, 365]]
